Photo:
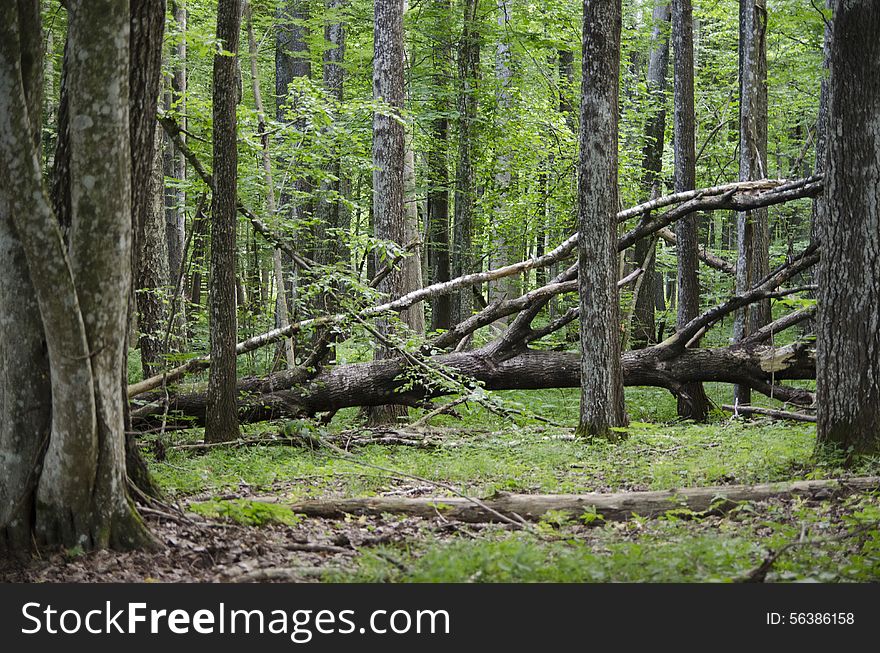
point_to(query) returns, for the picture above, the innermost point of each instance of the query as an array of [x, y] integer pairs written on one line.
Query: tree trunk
[[692, 402], [644, 331], [25, 391], [848, 338], [438, 167], [289, 395], [292, 62], [222, 418], [411, 266], [332, 215], [81, 495], [151, 283], [611, 506], [463, 218], [175, 168], [388, 160], [282, 315], [602, 407], [503, 239], [753, 236]]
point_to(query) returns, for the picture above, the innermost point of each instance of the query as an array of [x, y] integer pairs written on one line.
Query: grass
[[481, 453], [485, 453], [664, 550]]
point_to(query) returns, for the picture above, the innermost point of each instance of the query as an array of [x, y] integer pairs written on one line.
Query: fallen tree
[[510, 363], [742, 196], [609, 506]]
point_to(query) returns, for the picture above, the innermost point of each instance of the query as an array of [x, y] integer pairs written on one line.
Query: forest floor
[[233, 523]]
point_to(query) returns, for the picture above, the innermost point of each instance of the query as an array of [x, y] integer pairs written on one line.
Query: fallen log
[[741, 196], [768, 412], [286, 395], [618, 506]]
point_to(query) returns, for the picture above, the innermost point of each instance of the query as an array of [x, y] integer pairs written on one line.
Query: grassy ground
[[481, 453]]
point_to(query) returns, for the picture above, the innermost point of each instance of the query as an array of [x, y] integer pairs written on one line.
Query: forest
[[440, 290]]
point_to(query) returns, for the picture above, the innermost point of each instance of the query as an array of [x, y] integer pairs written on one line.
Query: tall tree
[[150, 253], [463, 218], [221, 422], [602, 404], [332, 215], [644, 331], [282, 314], [753, 235], [848, 338], [292, 62], [503, 247], [692, 400], [411, 266], [64, 480], [438, 245], [388, 156], [174, 161]]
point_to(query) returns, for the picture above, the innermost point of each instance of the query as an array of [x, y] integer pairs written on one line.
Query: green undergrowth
[[482, 453], [838, 542]]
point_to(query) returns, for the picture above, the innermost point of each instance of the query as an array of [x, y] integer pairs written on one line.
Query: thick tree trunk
[[463, 218], [602, 407], [644, 330], [848, 337], [753, 236], [25, 392], [222, 417], [692, 402], [388, 160], [81, 494]]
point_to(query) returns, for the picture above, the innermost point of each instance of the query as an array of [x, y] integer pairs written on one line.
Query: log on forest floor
[[282, 395], [618, 506]]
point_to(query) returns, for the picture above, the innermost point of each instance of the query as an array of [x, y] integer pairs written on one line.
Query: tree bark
[[503, 238], [692, 402], [644, 331], [81, 494], [463, 219], [282, 314], [848, 337], [388, 159], [612, 506], [152, 280], [602, 406], [438, 246], [753, 236], [222, 418]]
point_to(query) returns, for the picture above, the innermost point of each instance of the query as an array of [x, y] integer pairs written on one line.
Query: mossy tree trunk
[[78, 486]]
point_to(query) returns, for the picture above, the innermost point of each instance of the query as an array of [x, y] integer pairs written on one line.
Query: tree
[[503, 243], [644, 331], [438, 165], [150, 246], [602, 404], [848, 337], [463, 218], [753, 236], [222, 421], [692, 401], [388, 155], [64, 473]]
